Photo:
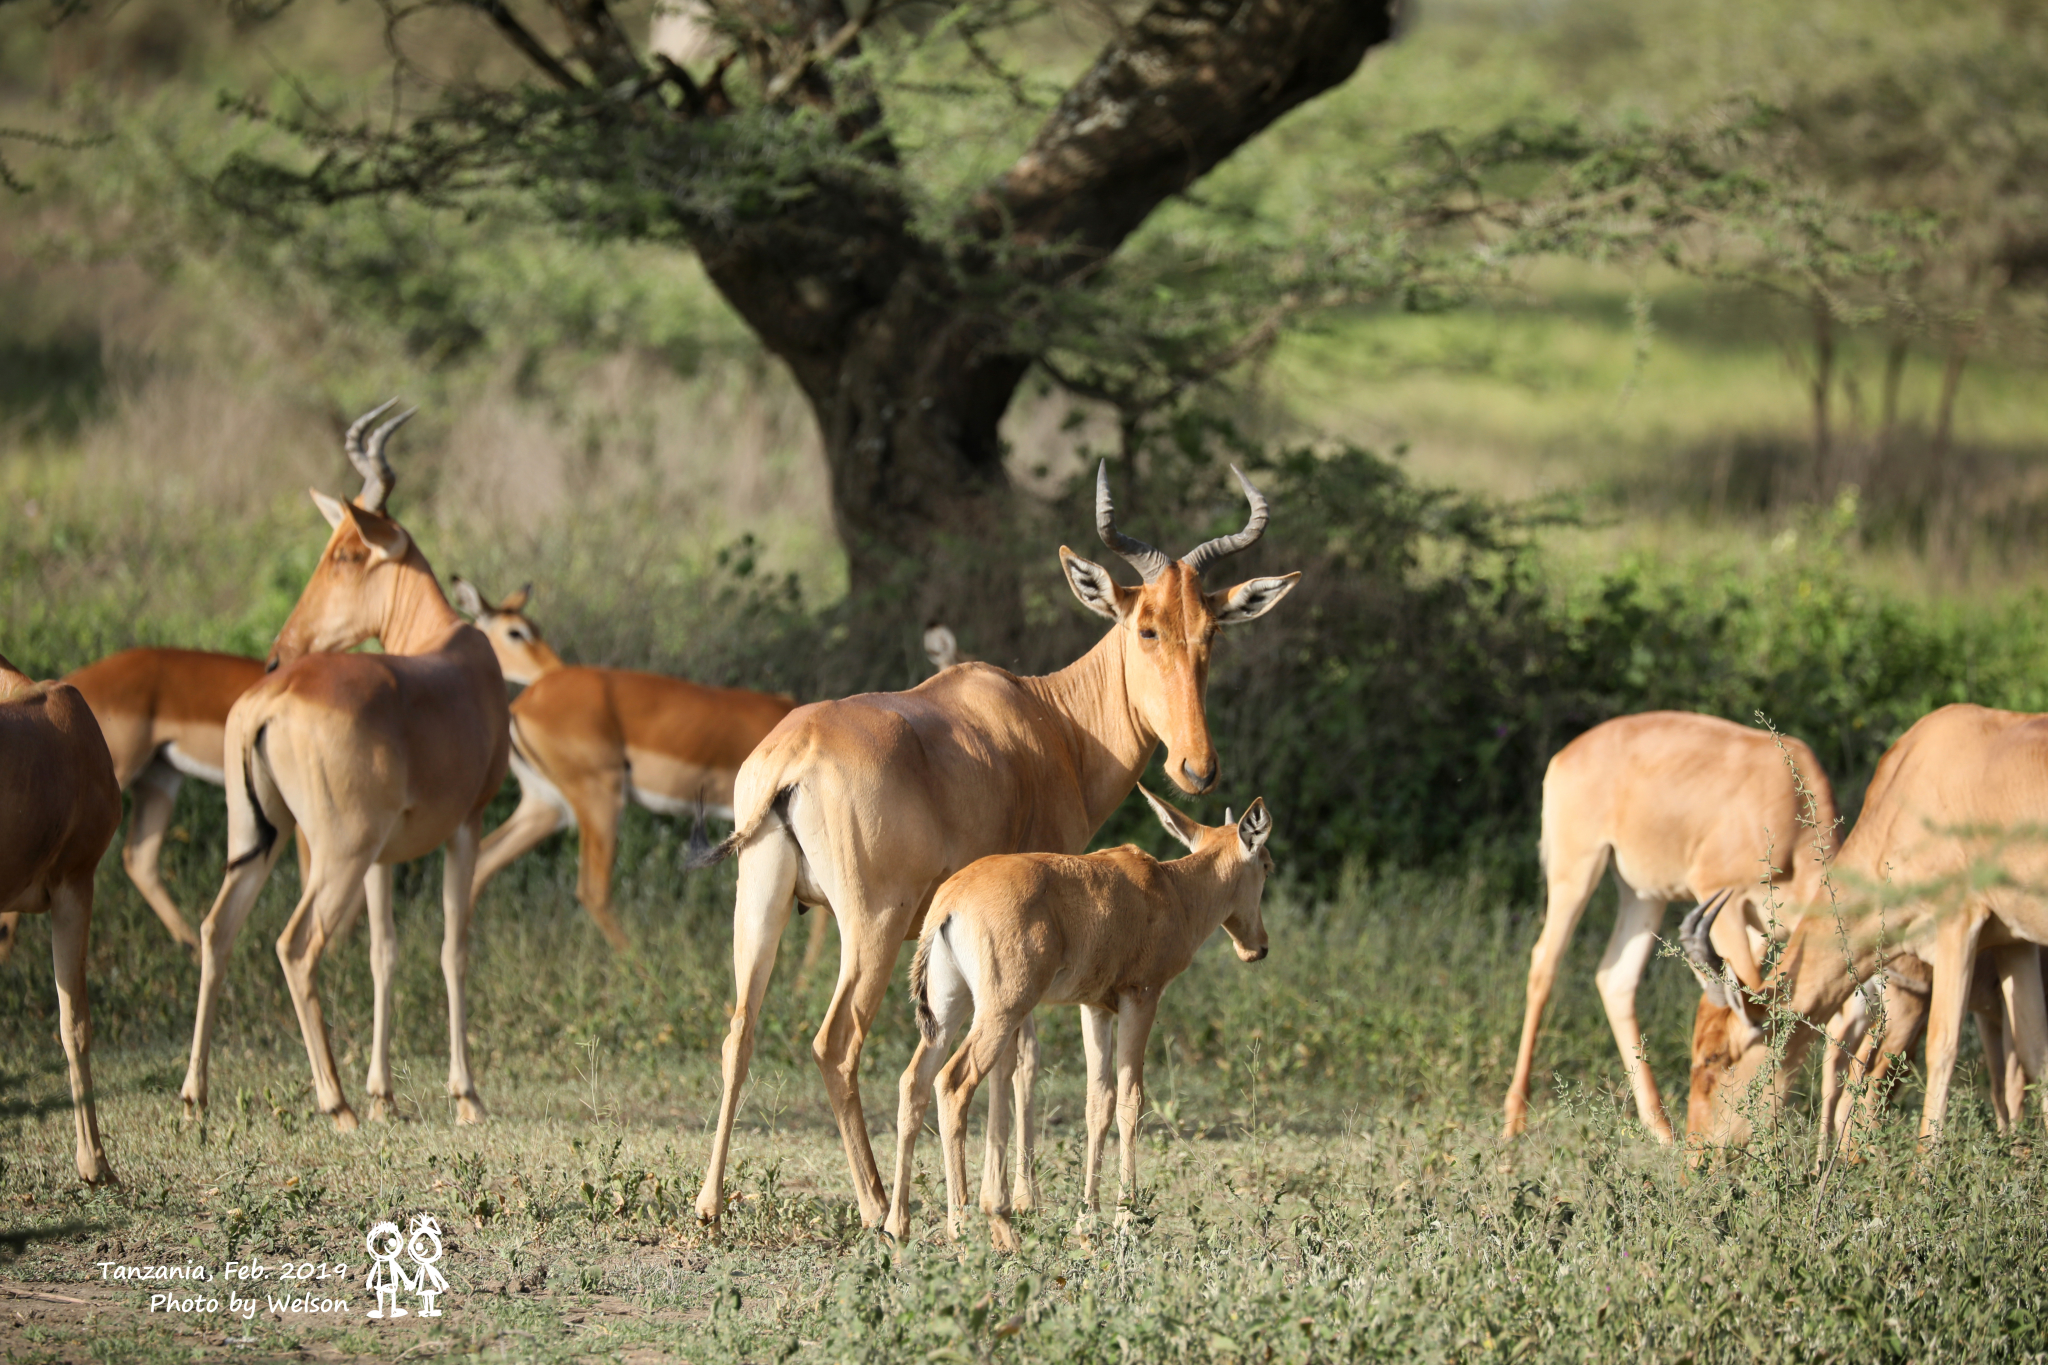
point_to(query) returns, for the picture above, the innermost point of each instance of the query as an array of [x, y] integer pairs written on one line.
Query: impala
[[1683, 805], [377, 759], [1106, 931], [1948, 862], [59, 806], [164, 713], [864, 806], [587, 740]]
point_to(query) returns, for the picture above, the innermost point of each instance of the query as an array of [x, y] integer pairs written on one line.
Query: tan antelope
[[59, 807], [164, 713], [1106, 931], [587, 740], [864, 806], [377, 758], [1948, 862], [1683, 805]]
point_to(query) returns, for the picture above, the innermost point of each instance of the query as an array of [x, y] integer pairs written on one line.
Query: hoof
[[710, 1207], [344, 1119], [380, 1109], [97, 1172], [1002, 1234], [468, 1109]]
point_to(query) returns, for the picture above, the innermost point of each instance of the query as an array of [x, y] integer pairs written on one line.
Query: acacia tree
[[908, 330]]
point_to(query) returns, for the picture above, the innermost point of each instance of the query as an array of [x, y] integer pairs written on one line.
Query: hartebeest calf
[[59, 807], [866, 805], [377, 759], [1106, 931], [1683, 805], [1948, 862], [586, 740]]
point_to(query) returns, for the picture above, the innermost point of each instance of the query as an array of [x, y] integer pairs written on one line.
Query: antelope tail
[[745, 827], [920, 990], [266, 833]]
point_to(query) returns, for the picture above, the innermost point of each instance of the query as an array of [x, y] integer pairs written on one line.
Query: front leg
[[2019, 980], [455, 911], [1955, 959], [70, 927], [1135, 1013], [383, 962], [1025, 1084]]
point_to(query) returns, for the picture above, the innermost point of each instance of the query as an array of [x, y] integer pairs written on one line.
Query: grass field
[[1322, 1176]]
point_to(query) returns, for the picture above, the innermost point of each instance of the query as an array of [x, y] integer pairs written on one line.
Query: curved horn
[[368, 457], [1208, 552], [1694, 935], [1147, 560]]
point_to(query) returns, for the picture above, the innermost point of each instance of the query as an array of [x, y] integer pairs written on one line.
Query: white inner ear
[[468, 599], [1253, 598], [393, 546], [1167, 818], [330, 508], [1091, 584]]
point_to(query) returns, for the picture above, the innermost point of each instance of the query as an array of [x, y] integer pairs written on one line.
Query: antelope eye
[[1147, 633], [519, 635]]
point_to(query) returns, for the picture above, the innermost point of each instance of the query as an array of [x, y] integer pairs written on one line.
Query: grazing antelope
[[866, 805], [1106, 931], [586, 740], [1947, 862], [164, 713], [1683, 805], [59, 806], [377, 759]]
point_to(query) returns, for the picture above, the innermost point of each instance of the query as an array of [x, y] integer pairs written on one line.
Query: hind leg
[[814, 948], [761, 910], [1026, 1086], [333, 894], [383, 962], [153, 798], [990, 1037], [217, 932], [2019, 981], [455, 913], [951, 1007], [1573, 873], [70, 928], [598, 807], [1636, 921], [535, 819], [871, 938]]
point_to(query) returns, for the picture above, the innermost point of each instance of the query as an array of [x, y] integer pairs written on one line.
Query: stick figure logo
[[384, 1244], [422, 1243], [425, 1248]]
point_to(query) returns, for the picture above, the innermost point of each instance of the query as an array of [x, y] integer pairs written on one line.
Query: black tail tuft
[[266, 833], [703, 854], [920, 991]]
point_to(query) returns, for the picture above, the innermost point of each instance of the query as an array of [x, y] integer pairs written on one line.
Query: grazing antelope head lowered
[[1171, 625], [522, 654]]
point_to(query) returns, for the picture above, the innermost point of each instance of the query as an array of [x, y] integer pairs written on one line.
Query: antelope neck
[[1108, 741], [417, 617]]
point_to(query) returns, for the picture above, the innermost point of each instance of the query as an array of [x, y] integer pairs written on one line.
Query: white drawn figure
[[385, 1276], [427, 1282]]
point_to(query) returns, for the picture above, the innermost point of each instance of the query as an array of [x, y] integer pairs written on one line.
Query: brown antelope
[[377, 758], [1106, 931], [59, 806], [1683, 805], [864, 806], [587, 740], [1946, 862], [164, 713]]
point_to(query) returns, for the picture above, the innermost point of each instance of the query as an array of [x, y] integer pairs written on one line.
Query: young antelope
[[1105, 931]]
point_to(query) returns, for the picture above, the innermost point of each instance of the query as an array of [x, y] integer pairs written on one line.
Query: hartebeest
[[1106, 931], [864, 806], [59, 807], [586, 740], [1948, 862], [377, 758], [1684, 805], [164, 713]]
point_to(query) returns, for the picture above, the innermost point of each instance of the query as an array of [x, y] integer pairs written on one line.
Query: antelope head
[[522, 654], [1170, 626], [1240, 849], [349, 596], [1729, 1045]]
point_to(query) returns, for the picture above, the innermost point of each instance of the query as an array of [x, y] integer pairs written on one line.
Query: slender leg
[[333, 893], [1905, 1018], [995, 1165], [867, 960], [1098, 1041], [1621, 969], [1998, 1059], [383, 961], [1134, 1016], [455, 908], [535, 819], [952, 1006], [761, 910], [1573, 875], [2019, 980], [217, 932], [990, 1037], [1026, 1088], [814, 948], [152, 799], [1845, 1035], [1955, 957], [70, 928], [597, 818]]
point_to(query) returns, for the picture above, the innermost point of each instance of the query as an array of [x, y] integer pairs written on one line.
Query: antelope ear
[[330, 508], [468, 600], [1093, 585], [518, 600], [385, 537], [941, 646], [1251, 599], [1178, 825], [1253, 829]]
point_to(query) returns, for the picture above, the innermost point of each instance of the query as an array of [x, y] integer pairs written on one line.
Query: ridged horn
[[1694, 936], [368, 456], [1146, 559], [1207, 553]]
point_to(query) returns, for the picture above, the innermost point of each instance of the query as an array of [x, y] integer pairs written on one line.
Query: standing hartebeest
[[585, 740], [59, 806], [1107, 931], [377, 758], [1948, 861], [864, 806], [1686, 805], [164, 713]]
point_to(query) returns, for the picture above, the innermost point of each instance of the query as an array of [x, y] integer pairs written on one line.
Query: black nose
[[1204, 780], [270, 664], [1260, 955]]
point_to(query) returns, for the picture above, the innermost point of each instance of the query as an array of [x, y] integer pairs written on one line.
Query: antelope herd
[[956, 814]]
